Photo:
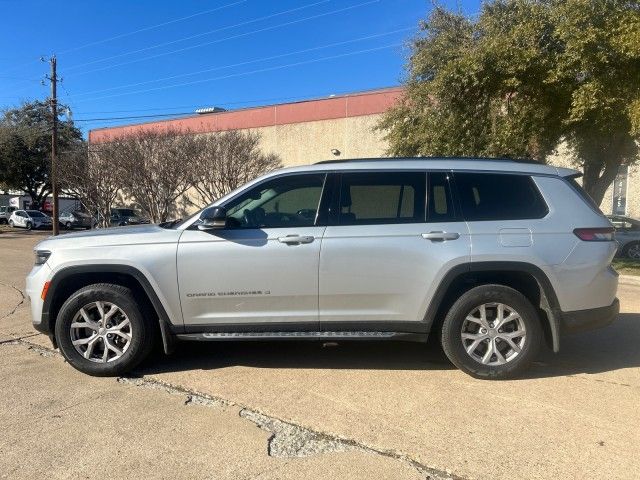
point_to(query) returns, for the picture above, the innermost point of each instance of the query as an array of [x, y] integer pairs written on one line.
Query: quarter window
[[286, 201], [489, 196], [382, 197]]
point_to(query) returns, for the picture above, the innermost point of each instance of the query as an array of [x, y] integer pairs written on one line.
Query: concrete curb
[[629, 280]]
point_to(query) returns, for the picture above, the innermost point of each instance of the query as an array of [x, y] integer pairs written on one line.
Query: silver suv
[[492, 256]]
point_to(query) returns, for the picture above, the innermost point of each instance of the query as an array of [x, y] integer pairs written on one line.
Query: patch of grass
[[626, 266]]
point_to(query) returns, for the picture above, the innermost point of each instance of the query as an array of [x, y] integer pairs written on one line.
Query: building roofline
[[267, 105], [346, 105]]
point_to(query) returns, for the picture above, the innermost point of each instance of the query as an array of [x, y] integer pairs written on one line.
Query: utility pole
[[54, 146]]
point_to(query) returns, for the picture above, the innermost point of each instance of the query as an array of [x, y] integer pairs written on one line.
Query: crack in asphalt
[[287, 439], [22, 299]]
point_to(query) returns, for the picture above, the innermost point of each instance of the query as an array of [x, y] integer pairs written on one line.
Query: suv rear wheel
[[102, 332], [491, 331]]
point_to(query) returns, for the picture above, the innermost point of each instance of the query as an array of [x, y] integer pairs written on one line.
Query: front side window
[[382, 198], [495, 196], [287, 201]]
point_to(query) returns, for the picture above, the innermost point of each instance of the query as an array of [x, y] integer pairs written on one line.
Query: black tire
[[630, 251], [67, 226], [29, 226], [453, 345], [142, 338], [11, 224]]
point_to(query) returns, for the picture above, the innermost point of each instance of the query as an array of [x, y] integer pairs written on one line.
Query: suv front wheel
[[102, 332], [491, 332]]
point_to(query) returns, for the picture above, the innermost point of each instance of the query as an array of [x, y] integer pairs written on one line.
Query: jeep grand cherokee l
[[494, 257]]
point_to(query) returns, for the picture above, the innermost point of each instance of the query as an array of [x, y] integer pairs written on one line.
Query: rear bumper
[[583, 320]]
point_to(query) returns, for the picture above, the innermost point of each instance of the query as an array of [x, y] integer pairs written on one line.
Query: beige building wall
[[310, 142]]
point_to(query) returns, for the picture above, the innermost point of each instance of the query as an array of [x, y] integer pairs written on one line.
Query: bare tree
[[90, 173], [156, 168], [229, 160]]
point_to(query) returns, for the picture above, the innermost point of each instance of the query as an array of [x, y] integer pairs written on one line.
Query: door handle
[[440, 236], [296, 239]]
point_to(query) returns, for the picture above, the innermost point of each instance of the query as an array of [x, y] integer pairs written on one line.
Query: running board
[[221, 336]]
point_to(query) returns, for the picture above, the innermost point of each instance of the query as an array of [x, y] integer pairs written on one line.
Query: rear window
[[495, 196]]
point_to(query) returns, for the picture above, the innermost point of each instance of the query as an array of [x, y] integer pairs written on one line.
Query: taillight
[[595, 234]]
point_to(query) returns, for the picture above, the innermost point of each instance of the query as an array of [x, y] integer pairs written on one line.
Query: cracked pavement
[[360, 410]]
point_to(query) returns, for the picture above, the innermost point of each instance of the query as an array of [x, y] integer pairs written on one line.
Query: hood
[[132, 235]]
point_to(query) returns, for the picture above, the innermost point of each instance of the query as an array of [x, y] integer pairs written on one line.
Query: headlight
[[42, 256]]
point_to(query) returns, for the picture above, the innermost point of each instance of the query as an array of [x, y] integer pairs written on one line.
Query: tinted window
[[382, 197], [439, 202], [287, 201], [489, 196], [35, 213]]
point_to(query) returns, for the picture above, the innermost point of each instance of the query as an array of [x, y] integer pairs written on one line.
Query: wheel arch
[[527, 278], [71, 279]]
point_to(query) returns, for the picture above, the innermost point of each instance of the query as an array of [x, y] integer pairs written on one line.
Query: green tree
[[25, 147], [521, 78]]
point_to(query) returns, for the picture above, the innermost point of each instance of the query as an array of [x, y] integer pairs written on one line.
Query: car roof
[[439, 163]]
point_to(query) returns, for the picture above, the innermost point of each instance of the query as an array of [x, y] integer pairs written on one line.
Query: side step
[[221, 336]]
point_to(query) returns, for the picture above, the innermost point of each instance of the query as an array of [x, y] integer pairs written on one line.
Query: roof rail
[[384, 159]]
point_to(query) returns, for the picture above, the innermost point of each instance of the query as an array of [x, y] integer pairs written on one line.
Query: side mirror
[[213, 218]]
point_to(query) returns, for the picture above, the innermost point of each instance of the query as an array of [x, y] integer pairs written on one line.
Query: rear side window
[[439, 200], [382, 197], [494, 196]]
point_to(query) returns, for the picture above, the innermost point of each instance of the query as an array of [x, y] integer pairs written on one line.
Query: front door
[[261, 270], [386, 250]]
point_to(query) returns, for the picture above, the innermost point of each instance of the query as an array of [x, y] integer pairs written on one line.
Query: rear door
[[391, 238]]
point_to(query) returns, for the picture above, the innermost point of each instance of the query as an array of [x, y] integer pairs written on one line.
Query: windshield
[[35, 213]]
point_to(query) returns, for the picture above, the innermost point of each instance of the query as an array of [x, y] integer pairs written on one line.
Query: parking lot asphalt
[[283, 410]]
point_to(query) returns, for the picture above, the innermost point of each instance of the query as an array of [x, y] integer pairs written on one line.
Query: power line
[[273, 57], [15, 67], [163, 44], [227, 38], [152, 27], [159, 115], [241, 74]]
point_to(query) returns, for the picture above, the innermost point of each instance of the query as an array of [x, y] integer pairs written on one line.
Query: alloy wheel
[[634, 251], [101, 332], [493, 334]]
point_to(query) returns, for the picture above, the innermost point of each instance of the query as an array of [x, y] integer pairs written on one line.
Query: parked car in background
[[30, 219], [5, 213], [126, 216], [75, 219], [627, 235]]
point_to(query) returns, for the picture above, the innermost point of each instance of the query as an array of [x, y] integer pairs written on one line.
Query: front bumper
[[583, 320], [35, 281]]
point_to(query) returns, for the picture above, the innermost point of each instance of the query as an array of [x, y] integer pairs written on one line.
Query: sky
[[125, 58]]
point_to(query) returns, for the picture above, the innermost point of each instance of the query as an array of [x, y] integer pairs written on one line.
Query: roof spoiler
[[569, 172]]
